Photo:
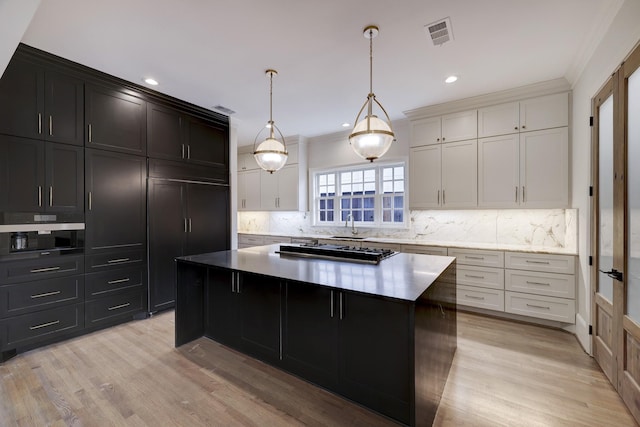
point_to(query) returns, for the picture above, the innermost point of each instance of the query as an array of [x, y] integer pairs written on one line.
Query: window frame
[[338, 221]]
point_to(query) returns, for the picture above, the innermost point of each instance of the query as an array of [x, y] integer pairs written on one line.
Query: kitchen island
[[383, 335]]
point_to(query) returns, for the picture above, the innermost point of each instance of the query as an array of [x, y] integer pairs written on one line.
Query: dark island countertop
[[403, 276]]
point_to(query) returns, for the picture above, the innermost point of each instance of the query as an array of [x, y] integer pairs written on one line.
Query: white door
[[425, 180], [544, 174], [499, 171], [460, 174], [249, 190], [287, 199], [268, 190]]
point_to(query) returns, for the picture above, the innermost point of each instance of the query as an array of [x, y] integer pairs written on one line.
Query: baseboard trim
[[582, 333]]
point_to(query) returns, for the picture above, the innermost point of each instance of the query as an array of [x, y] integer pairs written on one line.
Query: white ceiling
[[212, 52]]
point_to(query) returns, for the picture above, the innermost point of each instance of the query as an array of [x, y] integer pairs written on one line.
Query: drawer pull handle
[[473, 257], [46, 294], [538, 262], [113, 282], [44, 270], [116, 307], [44, 325], [473, 297], [538, 306], [474, 277], [115, 261], [538, 283]]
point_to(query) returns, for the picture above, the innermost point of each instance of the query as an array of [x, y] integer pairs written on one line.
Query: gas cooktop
[[337, 252]]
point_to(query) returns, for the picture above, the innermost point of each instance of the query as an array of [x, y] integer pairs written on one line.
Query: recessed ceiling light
[[346, 125], [150, 81], [451, 79]]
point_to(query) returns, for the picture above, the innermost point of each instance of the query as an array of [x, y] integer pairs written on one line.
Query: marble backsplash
[[546, 228]]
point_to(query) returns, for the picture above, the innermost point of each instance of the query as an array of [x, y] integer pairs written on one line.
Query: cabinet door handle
[[40, 195], [516, 190], [114, 282], [89, 200], [44, 270], [515, 128], [51, 195], [90, 132], [537, 262], [189, 152], [331, 304], [238, 282], [189, 225], [443, 139], [44, 325], [538, 306], [117, 260], [116, 307], [524, 127], [473, 297], [46, 294], [39, 123], [183, 151], [523, 200], [438, 197], [233, 282], [538, 283], [185, 225], [443, 196], [341, 305], [50, 126]]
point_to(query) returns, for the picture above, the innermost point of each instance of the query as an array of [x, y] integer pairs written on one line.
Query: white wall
[[618, 41], [15, 16]]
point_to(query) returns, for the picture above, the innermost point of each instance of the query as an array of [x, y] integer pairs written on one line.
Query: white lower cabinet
[[550, 308], [485, 277], [490, 299]]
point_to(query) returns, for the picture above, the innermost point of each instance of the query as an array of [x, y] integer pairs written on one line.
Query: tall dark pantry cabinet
[[108, 182]]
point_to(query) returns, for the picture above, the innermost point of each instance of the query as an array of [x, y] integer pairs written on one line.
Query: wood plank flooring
[[504, 374]]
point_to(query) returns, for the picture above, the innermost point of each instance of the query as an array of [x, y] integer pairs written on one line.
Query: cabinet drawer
[[491, 299], [426, 250], [485, 277], [22, 298], [272, 240], [115, 260], [43, 325], [113, 307], [551, 284], [551, 308], [105, 282], [540, 262], [41, 268], [478, 257], [251, 240]]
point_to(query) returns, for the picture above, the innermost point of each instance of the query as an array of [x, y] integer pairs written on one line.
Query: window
[[372, 196]]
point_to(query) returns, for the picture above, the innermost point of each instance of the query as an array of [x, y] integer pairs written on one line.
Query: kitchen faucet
[[353, 227]]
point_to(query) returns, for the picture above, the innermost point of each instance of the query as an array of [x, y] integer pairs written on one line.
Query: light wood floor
[[504, 374]]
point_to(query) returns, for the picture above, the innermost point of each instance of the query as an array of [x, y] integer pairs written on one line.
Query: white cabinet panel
[[460, 126], [249, 190], [558, 309], [544, 112], [425, 132], [490, 299], [499, 171], [272, 240], [550, 284], [426, 250], [484, 277], [550, 263], [478, 257], [425, 177], [288, 188], [499, 119], [246, 161], [268, 190], [459, 174], [544, 168]]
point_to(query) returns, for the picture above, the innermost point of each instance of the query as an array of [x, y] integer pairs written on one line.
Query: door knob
[[613, 273]]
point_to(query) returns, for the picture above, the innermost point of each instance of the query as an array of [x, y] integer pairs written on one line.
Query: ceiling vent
[[439, 31], [224, 110]]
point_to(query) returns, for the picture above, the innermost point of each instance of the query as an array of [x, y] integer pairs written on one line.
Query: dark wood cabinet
[[115, 119], [310, 332], [223, 319], [40, 177], [184, 219], [176, 135], [115, 202], [41, 103]]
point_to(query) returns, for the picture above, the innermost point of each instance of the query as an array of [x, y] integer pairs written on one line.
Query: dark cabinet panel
[[375, 337], [114, 281], [22, 105], [310, 333], [166, 133], [115, 120], [21, 174], [207, 143], [33, 296], [223, 320], [41, 268], [64, 185], [114, 308], [41, 104], [190, 302], [208, 218], [116, 201], [168, 226]]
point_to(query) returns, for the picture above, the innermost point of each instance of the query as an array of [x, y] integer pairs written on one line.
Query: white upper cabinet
[[246, 161], [449, 128], [500, 119], [249, 190], [543, 112], [425, 177], [499, 171], [544, 168], [279, 190], [459, 174]]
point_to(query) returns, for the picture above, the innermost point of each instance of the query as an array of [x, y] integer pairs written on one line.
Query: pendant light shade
[[371, 136], [271, 154]]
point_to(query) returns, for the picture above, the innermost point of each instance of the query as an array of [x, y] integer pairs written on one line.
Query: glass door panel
[[633, 196], [605, 198]]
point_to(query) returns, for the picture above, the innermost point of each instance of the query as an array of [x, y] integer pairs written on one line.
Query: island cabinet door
[[375, 353], [259, 316], [310, 333], [222, 320]]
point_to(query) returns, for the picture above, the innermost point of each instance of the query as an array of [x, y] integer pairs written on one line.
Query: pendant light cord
[[371, 61], [271, 104]]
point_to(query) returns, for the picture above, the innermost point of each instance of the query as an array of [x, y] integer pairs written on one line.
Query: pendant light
[[271, 155], [371, 136]]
